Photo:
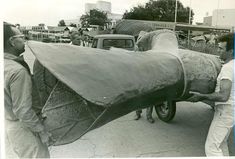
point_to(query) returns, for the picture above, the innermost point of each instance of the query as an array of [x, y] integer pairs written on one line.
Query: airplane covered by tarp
[[96, 86]]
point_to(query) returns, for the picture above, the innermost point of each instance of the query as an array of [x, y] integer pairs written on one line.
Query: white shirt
[[226, 73]]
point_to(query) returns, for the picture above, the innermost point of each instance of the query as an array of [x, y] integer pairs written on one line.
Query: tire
[[166, 111]]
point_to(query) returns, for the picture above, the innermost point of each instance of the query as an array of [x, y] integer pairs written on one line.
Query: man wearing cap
[[24, 131], [222, 123]]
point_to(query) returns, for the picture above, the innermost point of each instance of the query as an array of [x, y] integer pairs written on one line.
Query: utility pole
[[176, 8], [189, 22], [217, 13]]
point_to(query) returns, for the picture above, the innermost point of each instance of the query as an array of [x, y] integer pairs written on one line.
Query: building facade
[[207, 21], [105, 7], [73, 21], [223, 18], [100, 5], [89, 6]]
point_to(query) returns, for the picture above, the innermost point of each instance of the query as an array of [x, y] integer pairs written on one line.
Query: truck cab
[[106, 41]]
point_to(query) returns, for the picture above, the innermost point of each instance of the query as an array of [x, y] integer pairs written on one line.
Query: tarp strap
[[184, 73]]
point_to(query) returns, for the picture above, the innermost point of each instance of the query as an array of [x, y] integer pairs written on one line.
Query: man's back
[[12, 70]]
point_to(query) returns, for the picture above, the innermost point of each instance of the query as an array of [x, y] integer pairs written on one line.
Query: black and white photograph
[[117, 79]]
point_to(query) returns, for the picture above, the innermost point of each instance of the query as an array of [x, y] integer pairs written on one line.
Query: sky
[[49, 12]]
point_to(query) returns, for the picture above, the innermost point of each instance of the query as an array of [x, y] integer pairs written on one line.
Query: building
[[100, 5], [114, 18], [105, 7], [26, 30], [207, 21], [73, 21], [223, 18], [89, 6], [51, 33]]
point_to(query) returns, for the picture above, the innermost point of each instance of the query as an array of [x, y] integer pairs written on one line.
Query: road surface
[[125, 137]]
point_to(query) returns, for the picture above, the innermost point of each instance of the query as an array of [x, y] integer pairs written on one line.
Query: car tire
[[166, 110]]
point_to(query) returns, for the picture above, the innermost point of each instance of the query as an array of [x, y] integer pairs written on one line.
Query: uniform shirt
[[226, 73], [18, 94]]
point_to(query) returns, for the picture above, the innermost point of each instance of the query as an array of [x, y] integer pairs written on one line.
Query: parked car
[[106, 41]]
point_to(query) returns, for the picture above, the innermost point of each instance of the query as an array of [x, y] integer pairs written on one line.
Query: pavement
[[125, 137]]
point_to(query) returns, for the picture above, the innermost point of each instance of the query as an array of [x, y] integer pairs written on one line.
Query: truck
[[106, 41]]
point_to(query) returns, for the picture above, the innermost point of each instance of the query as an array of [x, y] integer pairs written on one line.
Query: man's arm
[[221, 96]]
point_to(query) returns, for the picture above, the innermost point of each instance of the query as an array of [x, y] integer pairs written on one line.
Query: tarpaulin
[[201, 70], [97, 86], [108, 77], [133, 27]]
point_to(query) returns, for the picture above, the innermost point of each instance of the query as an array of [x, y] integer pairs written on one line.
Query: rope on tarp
[[184, 73], [174, 51]]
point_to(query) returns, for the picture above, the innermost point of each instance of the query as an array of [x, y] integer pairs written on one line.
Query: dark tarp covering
[[97, 86], [201, 70], [133, 27], [108, 77]]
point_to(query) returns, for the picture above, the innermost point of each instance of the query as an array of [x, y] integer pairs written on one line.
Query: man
[[222, 123], [149, 116], [24, 131], [76, 39]]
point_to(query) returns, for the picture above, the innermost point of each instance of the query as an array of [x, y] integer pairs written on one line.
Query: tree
[[73, 25], [61, 23], [160, 10], [41, 24], [94, 17]]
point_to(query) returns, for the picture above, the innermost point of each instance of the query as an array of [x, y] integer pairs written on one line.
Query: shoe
[[151, 120], [137, 117]]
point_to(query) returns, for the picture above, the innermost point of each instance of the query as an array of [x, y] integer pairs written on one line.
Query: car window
[[118, 43], [94, 43]]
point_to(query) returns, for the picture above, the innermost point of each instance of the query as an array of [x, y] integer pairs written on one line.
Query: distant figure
[[149, 116], [76, 39], [86, 40]]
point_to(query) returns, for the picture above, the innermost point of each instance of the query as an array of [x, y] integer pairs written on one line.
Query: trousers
[[149, 112], [220, 128], [24, 142]]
